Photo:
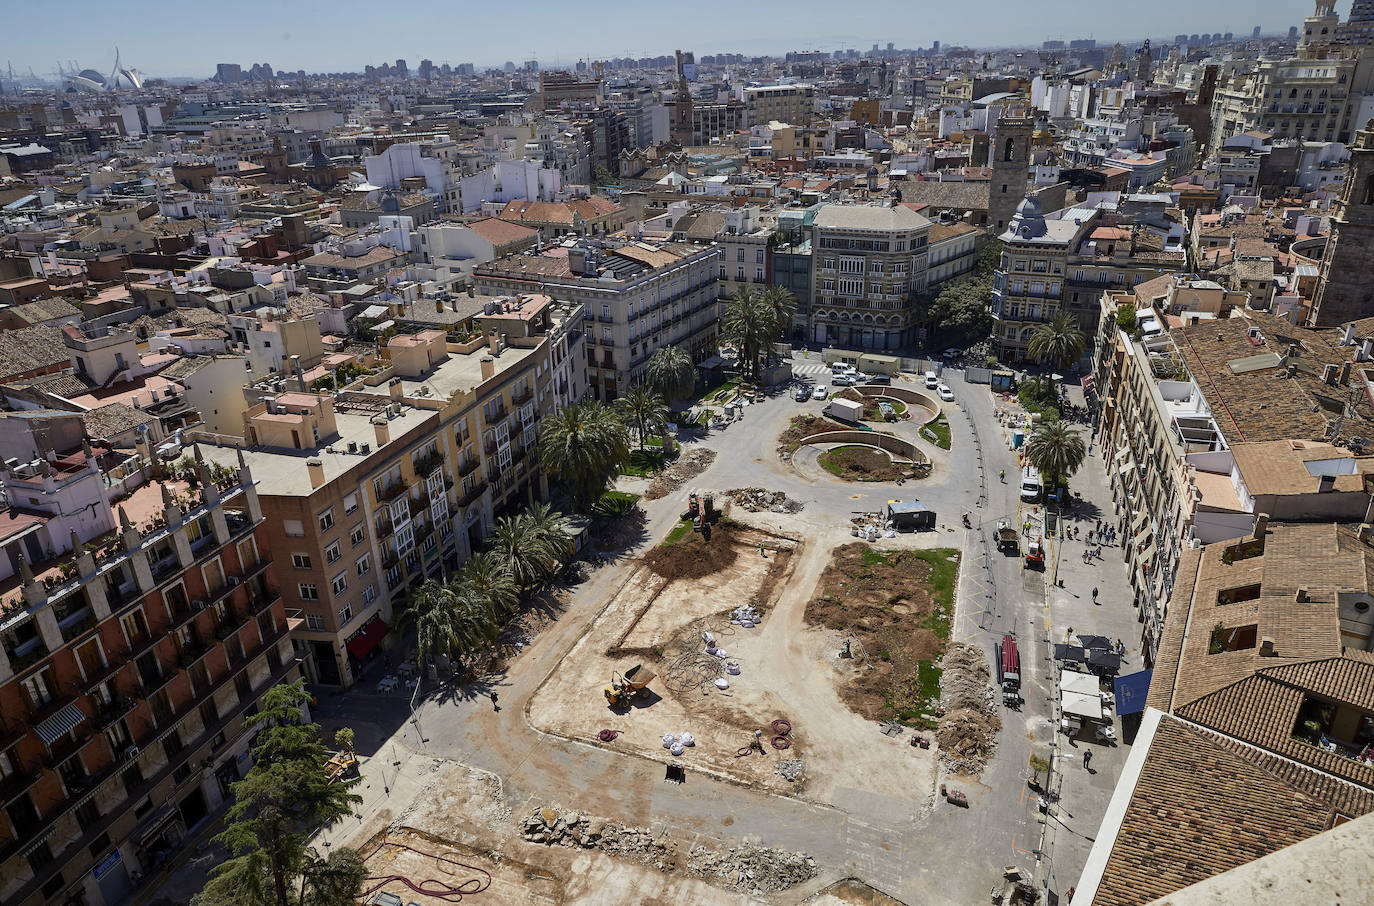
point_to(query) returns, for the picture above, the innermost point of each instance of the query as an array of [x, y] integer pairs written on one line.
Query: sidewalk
[[1071, 823]]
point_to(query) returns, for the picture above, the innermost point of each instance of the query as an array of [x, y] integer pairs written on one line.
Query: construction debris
[[751, 869], [790, 769], [757, 500], [689, 466], [967, 732], [747, 867]]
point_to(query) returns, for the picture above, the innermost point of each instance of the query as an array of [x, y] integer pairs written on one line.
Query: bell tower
[[1344, 292], [1009, 160]]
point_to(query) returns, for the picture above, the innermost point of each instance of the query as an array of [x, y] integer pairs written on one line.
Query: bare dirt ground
[[851, 892], [788, 670], [886, 601], [857, 463], [692, 464], [803, 426]]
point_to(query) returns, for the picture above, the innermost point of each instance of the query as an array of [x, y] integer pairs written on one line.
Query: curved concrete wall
[[891, 443], [910, 397]]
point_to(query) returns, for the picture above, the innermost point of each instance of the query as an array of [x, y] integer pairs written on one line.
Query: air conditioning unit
[[198, 605], [233, 580], [131, 753]]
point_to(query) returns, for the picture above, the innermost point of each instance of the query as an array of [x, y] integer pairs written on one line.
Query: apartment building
[[1313, 97], [791, 104], [745, 242], [128, 662], [372, 490], [1028, 286], [953, 250], [868, 261], [638, 296], [1206, 426]]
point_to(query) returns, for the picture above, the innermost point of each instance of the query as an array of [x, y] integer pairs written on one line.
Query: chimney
[[494, 343], [1266, 647], [1349, 339], [1304, 596], [1345, 374], [1367, 350], [488, 367], [394, 388], [1329, 373], [316, 469], [1261, 526], [383, 431], [1326, 483], [1365, 531], [296, 370]]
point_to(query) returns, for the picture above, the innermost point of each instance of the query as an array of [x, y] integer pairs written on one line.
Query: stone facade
[[1344, 292]]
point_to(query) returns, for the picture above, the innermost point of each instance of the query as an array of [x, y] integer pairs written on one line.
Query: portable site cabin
[[910, 515], [845, 410]]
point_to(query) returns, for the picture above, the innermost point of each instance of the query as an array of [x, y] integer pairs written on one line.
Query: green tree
[[1056, 450], [284, 798], [671, 372], [1125, 317], [434, 613], [334, 880], [783, 304], [957, 314], [584, 444], [750, 323], [530, 545], [602, 176], [645, 410], [1059, 343], [487, 587]]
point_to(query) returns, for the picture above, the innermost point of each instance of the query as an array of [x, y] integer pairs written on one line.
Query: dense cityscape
[[380, 525]]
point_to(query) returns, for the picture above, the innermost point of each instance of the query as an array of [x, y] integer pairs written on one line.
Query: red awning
[[367, 638]]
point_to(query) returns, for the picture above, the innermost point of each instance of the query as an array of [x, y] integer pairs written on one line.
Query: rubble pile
[[689, 466], [750, 868], [757, 500], [790, 769], [755, 869], [967, 732]]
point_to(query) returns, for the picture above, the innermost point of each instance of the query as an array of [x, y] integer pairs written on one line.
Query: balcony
[[17, 784], [428, 463], [113, 711], [468, 466], [472, 495], [117, 662], [522, 396], [231, 623], [393, 490], [24, 656], [183, 615], [193, 652]]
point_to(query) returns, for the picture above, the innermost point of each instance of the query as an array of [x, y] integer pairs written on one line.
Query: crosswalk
[[810, 368]]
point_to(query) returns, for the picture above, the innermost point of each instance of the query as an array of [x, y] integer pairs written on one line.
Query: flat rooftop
[[458, 373], [282, 472]]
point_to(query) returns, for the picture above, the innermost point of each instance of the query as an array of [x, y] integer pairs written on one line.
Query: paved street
[[948, 856]]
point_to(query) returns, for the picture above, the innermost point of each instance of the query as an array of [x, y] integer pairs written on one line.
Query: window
[[739, 254], [300, 561], [739, 273], [327, 520], [364, 565], [758, 275], [351, 502], [340, 583], [369, 594], [331, 553], [1235, 638], [309, 592], [314, 622], [355, 534], [758, 256], [345, 614], [294, 528]]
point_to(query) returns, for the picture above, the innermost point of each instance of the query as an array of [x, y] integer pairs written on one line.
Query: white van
[[1031, 489], [932, 380]]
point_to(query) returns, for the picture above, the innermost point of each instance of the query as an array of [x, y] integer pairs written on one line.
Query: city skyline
[[293, 36]]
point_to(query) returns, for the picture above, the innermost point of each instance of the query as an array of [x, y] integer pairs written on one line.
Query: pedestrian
[[761, 553], [494, 705], [1097, 525], [1095, 601], [1087, 760]]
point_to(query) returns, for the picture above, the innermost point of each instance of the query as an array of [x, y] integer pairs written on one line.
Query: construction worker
[[1003, 475]]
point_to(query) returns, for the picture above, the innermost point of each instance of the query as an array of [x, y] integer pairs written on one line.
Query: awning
[[1082, 704], [64, 721], [1121, 454], [155, 825], [365, 639], [1073, 681], [1131, 691], [1138, 521], [1127, 466], [1095, 641], [1147, 556]]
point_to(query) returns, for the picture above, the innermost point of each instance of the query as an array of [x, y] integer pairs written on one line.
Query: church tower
[[1344, 291], [682, 106], [1009, 159]]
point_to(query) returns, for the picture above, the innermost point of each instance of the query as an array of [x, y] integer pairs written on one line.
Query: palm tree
[[434, 614], [671, 372], [487, 582], [1060, 342], [530, 545], [584, 444], [750, 324], [1056, 450], [644, 409], [784, 305]]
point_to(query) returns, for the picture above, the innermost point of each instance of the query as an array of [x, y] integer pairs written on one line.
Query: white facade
[[510, 180]]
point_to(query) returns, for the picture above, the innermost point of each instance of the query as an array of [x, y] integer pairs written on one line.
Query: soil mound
[[694, 557]]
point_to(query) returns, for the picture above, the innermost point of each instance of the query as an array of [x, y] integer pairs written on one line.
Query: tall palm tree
[[645, 410], [750, 324], [671, 372], [530, 545], [584, 444], [784, 305], [487, 582], [434, 614], [1060, 342], [1056, 450]]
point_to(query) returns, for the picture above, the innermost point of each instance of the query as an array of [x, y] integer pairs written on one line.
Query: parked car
[[878, 379], [803, 393], [932, 380], [843, 380], [945, 393], [820, 393]]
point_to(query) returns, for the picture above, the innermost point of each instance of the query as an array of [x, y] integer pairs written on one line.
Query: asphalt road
[[948, 856]]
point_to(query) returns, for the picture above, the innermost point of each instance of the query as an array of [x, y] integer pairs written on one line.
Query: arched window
[[1010, 152]]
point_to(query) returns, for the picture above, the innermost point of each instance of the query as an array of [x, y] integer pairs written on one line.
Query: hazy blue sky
[[167, 38]]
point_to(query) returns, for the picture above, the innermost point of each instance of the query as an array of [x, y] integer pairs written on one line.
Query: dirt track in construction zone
[[787, 671]]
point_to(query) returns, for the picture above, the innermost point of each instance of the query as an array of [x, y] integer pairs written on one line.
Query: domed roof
[[1029, 221]]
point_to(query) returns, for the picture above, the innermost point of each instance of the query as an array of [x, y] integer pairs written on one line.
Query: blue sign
[[109, 862], [1131, 691]]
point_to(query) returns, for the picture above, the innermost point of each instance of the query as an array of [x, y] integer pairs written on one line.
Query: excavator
[[624, 688]]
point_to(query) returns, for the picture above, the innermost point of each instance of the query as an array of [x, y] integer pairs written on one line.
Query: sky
[[171, 39]]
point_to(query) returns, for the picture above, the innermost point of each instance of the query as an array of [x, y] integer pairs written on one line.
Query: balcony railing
[[113, 711], [428, 463], [474, 493], [468, 466], [394, 490]]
